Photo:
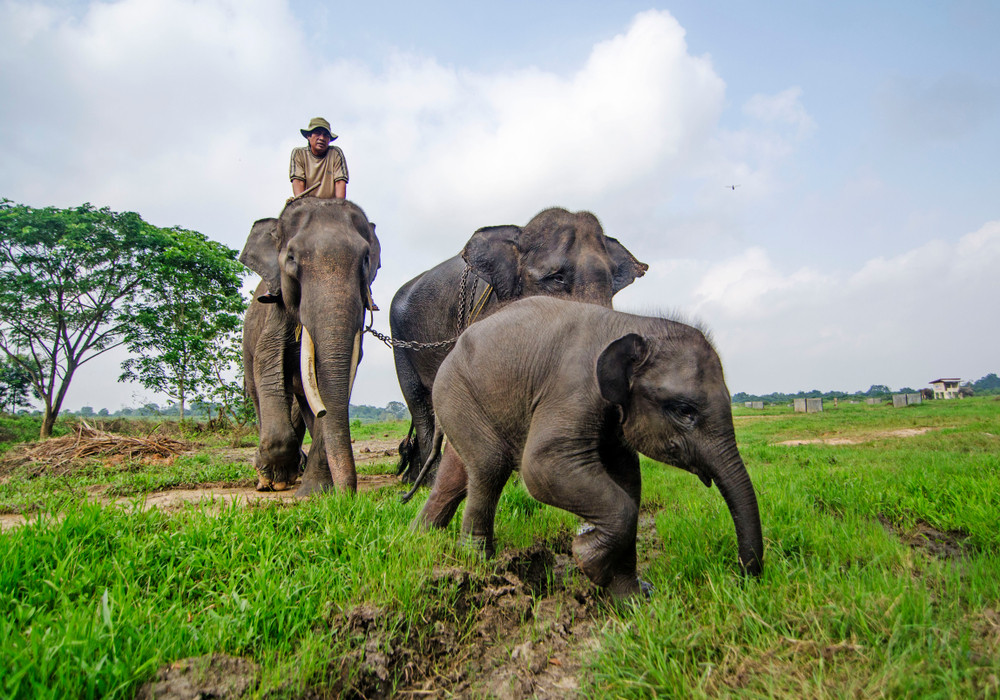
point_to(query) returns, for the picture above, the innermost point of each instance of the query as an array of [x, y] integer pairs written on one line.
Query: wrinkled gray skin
[[558, 253], [569, 393], [321, 255]]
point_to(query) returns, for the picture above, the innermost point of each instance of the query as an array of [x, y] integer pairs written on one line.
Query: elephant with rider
[[302, 338]]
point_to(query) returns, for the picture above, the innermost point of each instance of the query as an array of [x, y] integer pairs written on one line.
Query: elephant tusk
[[355, 358], [307, 366]]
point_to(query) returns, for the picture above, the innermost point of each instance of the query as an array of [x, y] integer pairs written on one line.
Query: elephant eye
[[681, 412], [291, 265], [556, 277]]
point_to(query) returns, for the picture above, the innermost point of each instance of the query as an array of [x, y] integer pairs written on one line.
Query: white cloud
[[783, 109], [892, 321]]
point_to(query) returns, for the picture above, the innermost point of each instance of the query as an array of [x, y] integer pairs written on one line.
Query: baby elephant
[[569, 393]]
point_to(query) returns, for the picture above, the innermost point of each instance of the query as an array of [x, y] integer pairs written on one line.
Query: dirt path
[[859, 439], [219, 496]]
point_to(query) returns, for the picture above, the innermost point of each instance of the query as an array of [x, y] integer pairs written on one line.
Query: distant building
[[945, 388]]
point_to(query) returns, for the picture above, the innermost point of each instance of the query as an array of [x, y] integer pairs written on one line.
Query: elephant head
[[559, 253], [675, 408], [317, 262]]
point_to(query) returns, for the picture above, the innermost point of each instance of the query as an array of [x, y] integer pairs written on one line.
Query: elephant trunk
[[734, 483], [333, 366]]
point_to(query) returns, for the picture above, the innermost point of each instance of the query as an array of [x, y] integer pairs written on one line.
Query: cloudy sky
[[861, 246]]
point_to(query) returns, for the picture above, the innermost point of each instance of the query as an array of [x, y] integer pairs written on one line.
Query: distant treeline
[[990, 384]]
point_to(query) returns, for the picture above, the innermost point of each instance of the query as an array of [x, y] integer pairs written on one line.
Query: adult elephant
[[558, 253], [302, 338]]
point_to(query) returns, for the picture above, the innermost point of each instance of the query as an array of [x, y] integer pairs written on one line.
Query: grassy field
[[881, 578]]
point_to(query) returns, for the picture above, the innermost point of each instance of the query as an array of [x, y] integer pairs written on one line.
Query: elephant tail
[[435, 451], [407, 448]]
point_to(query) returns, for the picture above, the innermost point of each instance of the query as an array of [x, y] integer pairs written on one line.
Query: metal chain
[[460, 326], [409, 344], [413, 344]]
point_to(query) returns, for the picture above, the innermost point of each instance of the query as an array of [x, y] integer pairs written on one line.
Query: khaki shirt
[[319, 174]]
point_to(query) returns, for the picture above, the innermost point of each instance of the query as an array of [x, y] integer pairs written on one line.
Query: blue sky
[[862, 246]]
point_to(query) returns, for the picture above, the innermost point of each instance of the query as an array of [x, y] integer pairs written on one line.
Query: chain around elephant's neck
[[463, 302]]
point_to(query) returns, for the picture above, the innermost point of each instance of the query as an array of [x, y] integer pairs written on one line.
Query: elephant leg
[[607, 551], [485, 484], [623, 466], [316, 477], [278, 453], [416, 448], [447, 494], [300, 421]]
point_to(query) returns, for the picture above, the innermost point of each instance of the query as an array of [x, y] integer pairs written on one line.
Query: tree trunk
[[47, 422]]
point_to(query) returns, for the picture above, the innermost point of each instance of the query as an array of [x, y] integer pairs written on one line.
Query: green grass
[[856, 598]]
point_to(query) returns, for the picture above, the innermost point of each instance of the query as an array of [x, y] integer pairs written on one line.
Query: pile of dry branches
[[88, 442]]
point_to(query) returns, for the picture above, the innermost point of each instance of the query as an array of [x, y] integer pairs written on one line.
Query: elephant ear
[[260, 254], [374, 254], [627, 267], [373, 261], [616, 365], [494, 255]]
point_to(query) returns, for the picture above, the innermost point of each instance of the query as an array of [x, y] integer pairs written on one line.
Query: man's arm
[[339, 189], [297, 172]]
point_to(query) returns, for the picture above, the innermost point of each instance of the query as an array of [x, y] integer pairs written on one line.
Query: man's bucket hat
[[318, 123]]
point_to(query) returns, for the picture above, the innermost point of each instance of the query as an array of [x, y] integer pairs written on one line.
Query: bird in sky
[[731, 187]]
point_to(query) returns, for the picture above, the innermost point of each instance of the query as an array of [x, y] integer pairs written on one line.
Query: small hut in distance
[[946, 388]]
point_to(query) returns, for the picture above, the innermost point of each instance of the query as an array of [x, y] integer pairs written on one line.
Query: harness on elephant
[[475, 309]]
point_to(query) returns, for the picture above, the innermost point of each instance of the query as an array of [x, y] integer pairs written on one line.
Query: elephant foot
[[608, 564], [628, 587], [265, 484], [479, 544], [309, 487]]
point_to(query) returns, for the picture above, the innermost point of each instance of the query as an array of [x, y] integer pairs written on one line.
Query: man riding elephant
[[319, 169]]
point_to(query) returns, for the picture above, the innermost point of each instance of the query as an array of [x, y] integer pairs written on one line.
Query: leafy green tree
[[175, 332], [398, 410], [990, 384], [15, 385], [72, 282]]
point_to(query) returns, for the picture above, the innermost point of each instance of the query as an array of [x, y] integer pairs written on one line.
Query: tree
[[175, 332], [227, 388], [71, 284], [988, 384], [15, 384], [398, 409]]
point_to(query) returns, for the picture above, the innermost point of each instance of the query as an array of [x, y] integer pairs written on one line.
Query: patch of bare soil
[[947, 544], [518, 632], [860, 439], [202, 677], [524, 630]]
